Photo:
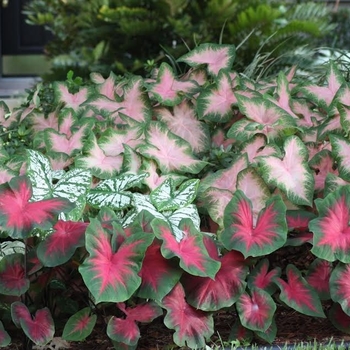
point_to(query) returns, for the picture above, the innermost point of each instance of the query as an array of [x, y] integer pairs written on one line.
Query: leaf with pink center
[[318, 275], [341, 150], [261, 277], [60, 245], [298, 294], [215, 104], [339, 318], [79, 326], [170, 151], [13, 280], [331, 229], [333, 182], [298, 220], [270, 334], [111, 269], [39, 328], [158, 274], [256, 310], [191, 250], [254, 239], [240, 333], [192, 327], [19, 215], [126, 330], [330, 125], [291, 174], [5, 338], [70, 100], [215, 56], [339, 286]]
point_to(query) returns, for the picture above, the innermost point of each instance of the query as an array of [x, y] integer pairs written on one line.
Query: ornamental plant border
[[141, 198]]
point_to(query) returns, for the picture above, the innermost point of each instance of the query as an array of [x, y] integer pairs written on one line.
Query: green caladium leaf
[[5, 338], [165, 197], [113, 193]]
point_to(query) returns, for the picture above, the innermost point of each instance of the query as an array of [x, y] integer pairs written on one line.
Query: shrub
[[139, 198]]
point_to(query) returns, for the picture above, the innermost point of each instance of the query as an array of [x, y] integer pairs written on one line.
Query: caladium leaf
[[240, 233], [5, 338], [159, 275], [291, 174], [269, 334], [13, 279], [191, 250], [298, 227], [166, 198], [256, 310], [60, 245], [80, 325], [339, 289], [318, 275], [112, 274], [341, 149], [331, 227], [261, 277], [215, 56], [39, 328], [113, 192], [192, 327], [240, 333], [339, 318], [332, 183], [19, 215], [298, 294], [126, 330], [70, 100]]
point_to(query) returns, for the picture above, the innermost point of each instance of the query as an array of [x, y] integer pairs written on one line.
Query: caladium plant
[[174, 196]]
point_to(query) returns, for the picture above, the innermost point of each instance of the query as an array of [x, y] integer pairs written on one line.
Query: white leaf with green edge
[[341, 152], [112, 193], [333, 182], [215, 56], [215, 104], [291, 174], [165, 197], [170, 151]]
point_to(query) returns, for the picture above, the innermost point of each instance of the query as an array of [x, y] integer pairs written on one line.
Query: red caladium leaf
[[331, 228], [159, 275], [262, 278], [240, 333], [318, 275], [191, 250], [339, 318], [60, 245], [339, 286], [5, 338], [13, 279], [256, 310], [270, 334], [254, 239], [192, 327], [19, 216], [111, 270], [126, 330], [298, 227], [298, 294], [215, 56], [79, 326], [39, 328]]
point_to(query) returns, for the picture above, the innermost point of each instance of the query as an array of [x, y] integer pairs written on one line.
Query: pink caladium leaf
[[291, 174], [158, 274], [261, 277], [70, 100], [192, 327], [215, 104], [340, 150], [254, 239], [39, 328], [79, 326], [298, 294], [318, 275], [5, 338], [298, 227], [111, 269], [256, 310], [6, 117], [339, 289], [215, 56], [339, 318], [170, 151], [333, 182], [19, 215], [331, 124], [331, 227], [126, 330], [13, 280], [191, 250], [60, 245]]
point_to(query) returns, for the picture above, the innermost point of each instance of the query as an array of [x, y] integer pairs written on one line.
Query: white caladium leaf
[[291, 174], [165, 197], [113, 193]]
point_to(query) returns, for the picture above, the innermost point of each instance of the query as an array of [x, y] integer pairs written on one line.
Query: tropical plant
[[168, 197]]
